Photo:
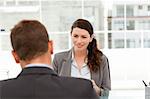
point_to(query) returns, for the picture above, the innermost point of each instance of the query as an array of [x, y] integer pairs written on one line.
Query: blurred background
[[122, 29]]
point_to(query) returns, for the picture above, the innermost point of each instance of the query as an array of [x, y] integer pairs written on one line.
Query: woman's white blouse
[[84, 72]]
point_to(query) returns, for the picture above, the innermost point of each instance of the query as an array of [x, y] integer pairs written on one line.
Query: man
[[32, 49]]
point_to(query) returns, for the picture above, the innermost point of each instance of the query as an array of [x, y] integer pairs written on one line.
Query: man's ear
[[50, 46], [16, 57]]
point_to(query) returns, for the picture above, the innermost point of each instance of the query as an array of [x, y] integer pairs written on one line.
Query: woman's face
[[81, 39]]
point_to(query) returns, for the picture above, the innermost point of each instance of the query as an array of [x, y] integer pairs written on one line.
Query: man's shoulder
[[7, 81], [77, 85], [76, 81]]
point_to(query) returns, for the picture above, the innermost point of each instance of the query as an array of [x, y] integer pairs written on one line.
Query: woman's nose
[[79, 40]]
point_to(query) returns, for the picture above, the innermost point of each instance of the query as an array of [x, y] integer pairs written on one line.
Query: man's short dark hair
[[29, 39]]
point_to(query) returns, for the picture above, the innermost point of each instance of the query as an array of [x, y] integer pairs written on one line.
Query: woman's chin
[[79, 49]]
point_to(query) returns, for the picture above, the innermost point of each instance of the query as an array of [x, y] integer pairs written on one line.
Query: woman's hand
[[97, 89]]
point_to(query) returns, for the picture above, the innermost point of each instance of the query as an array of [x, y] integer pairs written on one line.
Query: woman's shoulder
[[104, 56], [63, 53], [104, 59]]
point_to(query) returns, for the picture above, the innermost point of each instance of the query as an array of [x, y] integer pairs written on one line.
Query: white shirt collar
[[39, 65]]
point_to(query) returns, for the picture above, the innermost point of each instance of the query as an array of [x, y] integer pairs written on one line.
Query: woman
[[84, 60]]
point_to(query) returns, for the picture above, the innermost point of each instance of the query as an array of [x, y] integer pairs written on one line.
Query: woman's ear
[[50, 46], [16, 57], [91, 38]]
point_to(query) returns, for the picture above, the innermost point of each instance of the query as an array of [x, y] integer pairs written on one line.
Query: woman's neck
[[80, 57], [80, 53]]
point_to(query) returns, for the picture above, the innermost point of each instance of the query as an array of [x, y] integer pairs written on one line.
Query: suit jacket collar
[[37, 70], [66, 64], [70, 54]]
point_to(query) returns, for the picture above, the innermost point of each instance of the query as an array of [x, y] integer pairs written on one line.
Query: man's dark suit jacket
[[44, 83]]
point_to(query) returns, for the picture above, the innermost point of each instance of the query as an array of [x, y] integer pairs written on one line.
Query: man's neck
[[43, 59]]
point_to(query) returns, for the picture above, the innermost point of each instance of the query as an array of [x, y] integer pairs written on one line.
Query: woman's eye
[[75, 36], [83, 37]]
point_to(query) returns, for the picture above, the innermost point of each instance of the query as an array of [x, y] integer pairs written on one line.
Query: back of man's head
[[29, 39]]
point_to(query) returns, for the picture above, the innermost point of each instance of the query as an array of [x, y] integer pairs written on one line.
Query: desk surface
[[127, 94]]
